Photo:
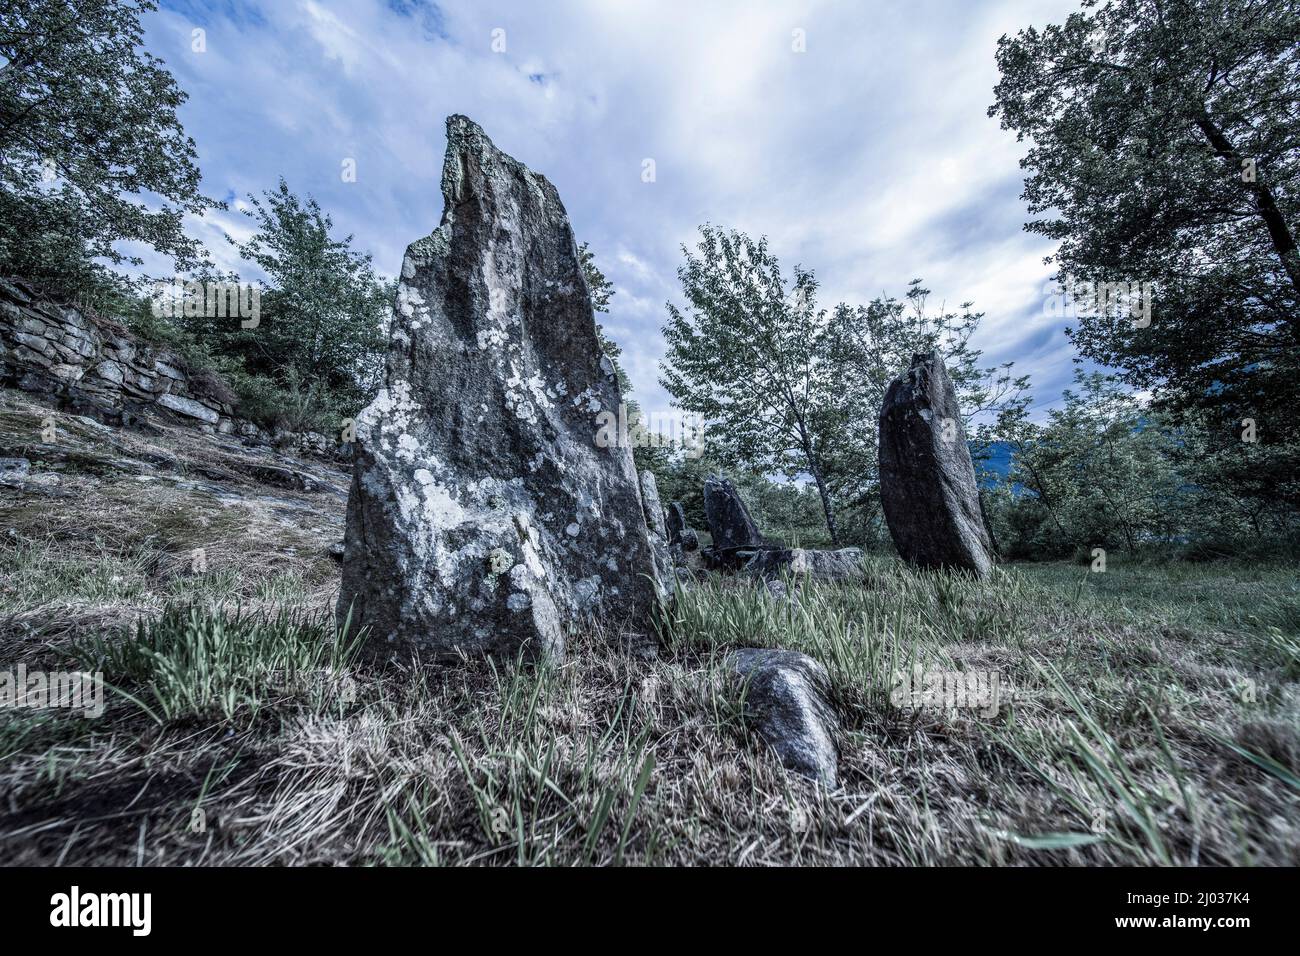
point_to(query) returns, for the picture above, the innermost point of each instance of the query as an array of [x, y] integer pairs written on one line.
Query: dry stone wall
[[92, 365]]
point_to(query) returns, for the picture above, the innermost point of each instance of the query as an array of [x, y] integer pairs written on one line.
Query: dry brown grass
[[1153, 717]]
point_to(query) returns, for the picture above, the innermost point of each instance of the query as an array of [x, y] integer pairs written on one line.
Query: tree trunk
[[1042, 494], [1283, 241], [826, 505]]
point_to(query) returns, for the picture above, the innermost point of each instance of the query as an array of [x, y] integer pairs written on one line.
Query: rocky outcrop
[[844, 564], [484, 517], [91, 365], [730, 524], [88, 364], [786, 701], [927, 482]]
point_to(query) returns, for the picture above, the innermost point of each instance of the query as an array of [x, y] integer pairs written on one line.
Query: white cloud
[[868, 158]]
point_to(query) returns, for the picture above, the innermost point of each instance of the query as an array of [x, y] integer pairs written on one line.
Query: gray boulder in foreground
[[841, 564], [484, 516], [927, 482], [787, 703], [730, 523]]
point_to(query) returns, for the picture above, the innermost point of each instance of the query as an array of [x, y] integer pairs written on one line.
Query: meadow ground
[[1149, 714]]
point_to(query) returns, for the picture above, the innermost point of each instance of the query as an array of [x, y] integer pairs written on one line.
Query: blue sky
[[868, 157]]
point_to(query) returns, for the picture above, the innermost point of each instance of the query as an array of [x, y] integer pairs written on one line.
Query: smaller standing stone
[[843, 564], [787, 703], [679, 533], [729, 520], [654, 522]]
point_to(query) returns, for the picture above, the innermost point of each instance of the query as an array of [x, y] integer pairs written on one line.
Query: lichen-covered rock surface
[[843, 564], [679, 532], [483, 516]]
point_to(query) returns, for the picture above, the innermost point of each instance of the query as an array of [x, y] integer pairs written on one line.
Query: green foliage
[[750, 356], [291, 404], [600, 288], [791, 391], [93, 151], [1107, 471], [1099, 473], [1254, 485], [786, 511], [323, 316], [873, 345], [1165, 148], [645, 455], [680, 478], [204, 662]]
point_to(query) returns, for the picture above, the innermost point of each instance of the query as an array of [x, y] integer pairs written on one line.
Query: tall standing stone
[[927, 481], [484, 517]]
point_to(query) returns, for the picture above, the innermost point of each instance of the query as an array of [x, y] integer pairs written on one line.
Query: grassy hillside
[[1148, 714]]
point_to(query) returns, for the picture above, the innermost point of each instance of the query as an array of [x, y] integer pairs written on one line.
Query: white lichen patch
[[408, 299], [519, 601], [538, 389], [588, 504], [500, 561], [441, 508], [573, 529], [408, 446], [524, 396], [587, 399], [389, 414], [530, 543]]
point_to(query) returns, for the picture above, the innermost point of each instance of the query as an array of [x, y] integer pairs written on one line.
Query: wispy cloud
[[867, 157]]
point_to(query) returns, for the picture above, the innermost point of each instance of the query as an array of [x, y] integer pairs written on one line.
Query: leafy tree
[[874, 344], [1166, 149], [598, 285], [323, 317], [91, 150], [601, 290], [1099, 473], [1246, 488], [750, 355]]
